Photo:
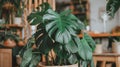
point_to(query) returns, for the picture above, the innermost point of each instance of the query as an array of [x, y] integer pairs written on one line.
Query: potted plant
[[99, 47], [10, 40], [8, 8], [57, 40], [18, 16], [116, 45]]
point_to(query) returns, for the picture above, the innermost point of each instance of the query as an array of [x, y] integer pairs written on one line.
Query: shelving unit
[[80, 8], [101, 35], [13, 28]]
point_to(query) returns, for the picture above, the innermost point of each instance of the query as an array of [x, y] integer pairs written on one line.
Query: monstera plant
[[57, 39], [112, 7]]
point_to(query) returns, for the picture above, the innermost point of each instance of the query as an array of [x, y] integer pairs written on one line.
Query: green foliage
[[58, 32], [16, 3], [19, 12], [10, 7], [112, 7], [115, 39], [11, 37]]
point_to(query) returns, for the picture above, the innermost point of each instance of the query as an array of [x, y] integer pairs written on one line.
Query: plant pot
[[18, 20], [98, 48], [1, 21], [9, 43], [33, 28], [74, 65], [21, 43], [116, 47]]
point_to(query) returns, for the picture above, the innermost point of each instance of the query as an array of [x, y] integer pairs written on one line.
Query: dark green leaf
[[35, 18], [90, 41], [44, 42], [60, 51], [62, 26], [112, 7], [72, 46]]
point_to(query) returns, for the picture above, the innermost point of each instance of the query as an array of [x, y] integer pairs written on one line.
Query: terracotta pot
[[21, 43], [9, 43]]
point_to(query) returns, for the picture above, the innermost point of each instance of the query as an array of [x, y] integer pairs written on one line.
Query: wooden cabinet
[[5, 58], [80, 8]]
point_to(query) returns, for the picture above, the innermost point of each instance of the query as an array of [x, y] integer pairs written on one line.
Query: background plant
[[9, 7], [112, 7]]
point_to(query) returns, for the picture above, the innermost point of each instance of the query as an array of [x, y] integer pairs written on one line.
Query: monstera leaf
[[37, 16], [90, 41], [62, 26], [112, 7], [43, 40]]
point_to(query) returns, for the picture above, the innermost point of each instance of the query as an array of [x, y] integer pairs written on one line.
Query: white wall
[[96, 24], [119, 16]]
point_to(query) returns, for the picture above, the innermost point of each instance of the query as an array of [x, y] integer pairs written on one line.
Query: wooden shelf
[[99, 35], [77, 12], [13, 26]]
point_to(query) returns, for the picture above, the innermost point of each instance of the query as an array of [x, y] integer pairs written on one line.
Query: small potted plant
[[116, 45], [18, 16], [57, 41], [10, 40], [8, 8]]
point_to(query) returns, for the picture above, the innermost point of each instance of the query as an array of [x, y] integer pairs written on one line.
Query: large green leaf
[[60, 51], [85, 51], [72, 59], [112, 7], [35, 60], [72, 46], [26, 58], [61, 26], [43, 41], [62, 55], [37, 16], [90, 41]]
